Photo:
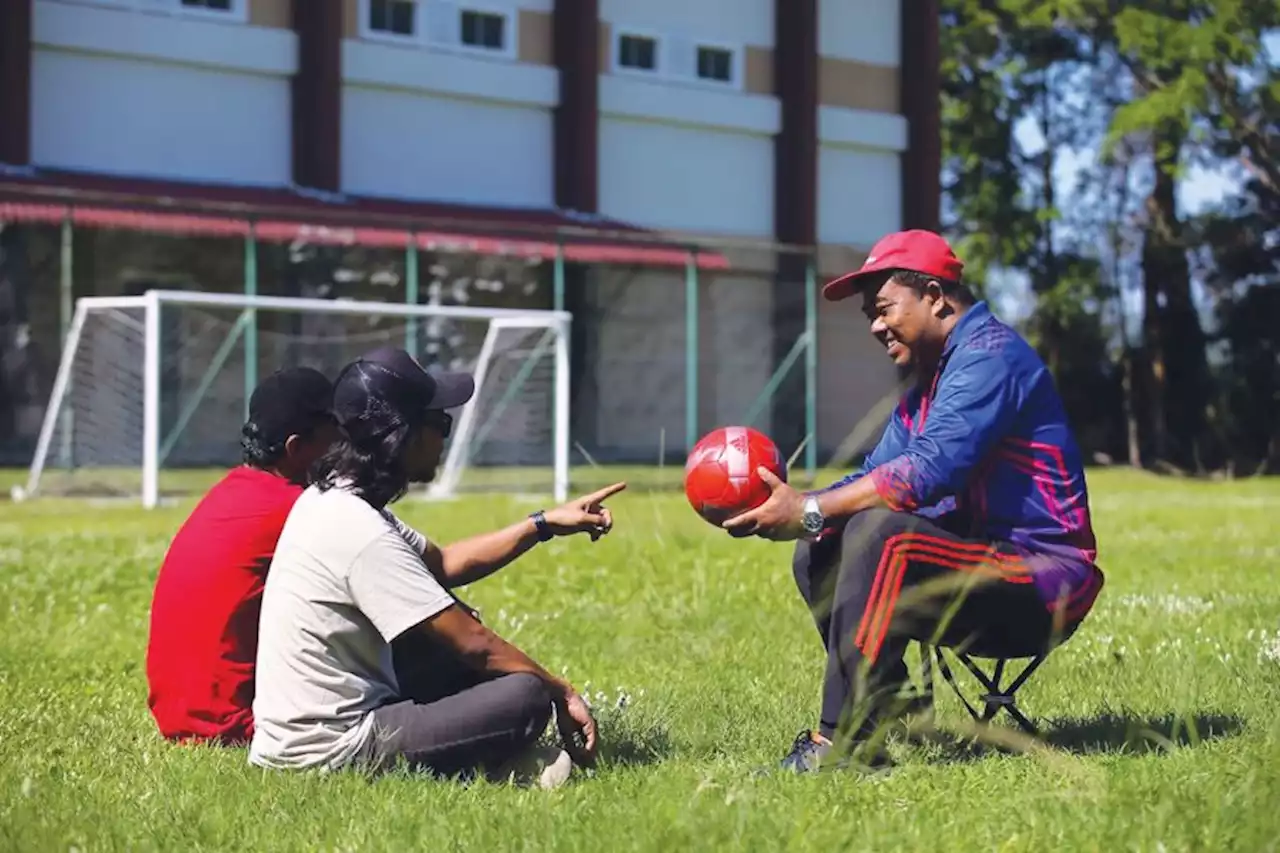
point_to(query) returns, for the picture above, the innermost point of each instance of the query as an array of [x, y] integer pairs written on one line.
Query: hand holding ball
[[721, 473]]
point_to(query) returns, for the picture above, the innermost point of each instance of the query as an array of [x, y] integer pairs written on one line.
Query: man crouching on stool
[[969, 520]]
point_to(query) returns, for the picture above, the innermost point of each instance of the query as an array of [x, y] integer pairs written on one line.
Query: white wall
[[859, 194], [116, 91], [735, 21], [137, 117], [421, 146], [421, 124], [865, 30], [688, 178], [678, 153]]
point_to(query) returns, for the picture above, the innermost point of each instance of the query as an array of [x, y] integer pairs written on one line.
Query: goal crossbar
[[142, 315]]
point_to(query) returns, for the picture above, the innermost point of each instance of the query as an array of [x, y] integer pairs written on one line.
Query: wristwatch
[[812, 518], [540, 524]]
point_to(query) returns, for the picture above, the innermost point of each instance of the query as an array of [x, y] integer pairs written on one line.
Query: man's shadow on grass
[[1109, 733]]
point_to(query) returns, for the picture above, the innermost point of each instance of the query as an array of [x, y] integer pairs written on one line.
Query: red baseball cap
[[919, 251]]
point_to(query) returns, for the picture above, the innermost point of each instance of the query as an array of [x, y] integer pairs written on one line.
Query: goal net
[[151, 391]]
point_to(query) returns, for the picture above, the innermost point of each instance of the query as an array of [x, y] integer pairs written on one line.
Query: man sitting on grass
[[204, 611], [349, 579], [969, 520]]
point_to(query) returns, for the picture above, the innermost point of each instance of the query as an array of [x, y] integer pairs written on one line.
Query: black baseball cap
[[387, 388], [290, 402]]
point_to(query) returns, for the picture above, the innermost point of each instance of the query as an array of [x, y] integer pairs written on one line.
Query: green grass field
[[1160, 714]]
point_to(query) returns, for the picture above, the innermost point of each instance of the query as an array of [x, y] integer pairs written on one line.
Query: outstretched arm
[[478, 557], [892, 442], [469, 560], [779, 517], [974, 409]]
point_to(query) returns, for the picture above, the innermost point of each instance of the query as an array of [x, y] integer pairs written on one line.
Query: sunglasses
[[439, 421]]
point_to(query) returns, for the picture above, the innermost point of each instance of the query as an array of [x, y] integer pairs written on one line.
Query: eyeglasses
[[441, 421]]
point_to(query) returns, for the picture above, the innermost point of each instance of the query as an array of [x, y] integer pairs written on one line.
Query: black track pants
[[890, 577]]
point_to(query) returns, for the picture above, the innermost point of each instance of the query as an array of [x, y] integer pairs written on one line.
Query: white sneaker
[[545, 767]]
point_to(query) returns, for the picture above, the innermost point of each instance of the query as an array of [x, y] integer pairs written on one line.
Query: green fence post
[[66, 309], [557, 281], [411, 293], [691, 350], [811, 367], [251, 329]]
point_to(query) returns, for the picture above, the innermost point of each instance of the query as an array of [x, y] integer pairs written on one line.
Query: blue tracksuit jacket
[[987, 452]]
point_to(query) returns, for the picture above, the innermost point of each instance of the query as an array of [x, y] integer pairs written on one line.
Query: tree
[[1013, 109], [1151, 88], [1205, 88]]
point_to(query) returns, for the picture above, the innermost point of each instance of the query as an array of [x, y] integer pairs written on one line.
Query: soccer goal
[[152, 390]]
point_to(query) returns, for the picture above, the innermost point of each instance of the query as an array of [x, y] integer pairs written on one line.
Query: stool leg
[[1025, 724]]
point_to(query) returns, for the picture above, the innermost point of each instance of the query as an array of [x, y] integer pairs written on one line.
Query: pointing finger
[[608, 491]]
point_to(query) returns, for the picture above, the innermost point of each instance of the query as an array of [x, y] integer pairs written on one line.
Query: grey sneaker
[[544, 767]]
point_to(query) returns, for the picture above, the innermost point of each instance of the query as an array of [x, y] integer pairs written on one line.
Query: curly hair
[[257, 452]]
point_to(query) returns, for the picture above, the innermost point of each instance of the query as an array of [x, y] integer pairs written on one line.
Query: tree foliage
[[1130, 96]]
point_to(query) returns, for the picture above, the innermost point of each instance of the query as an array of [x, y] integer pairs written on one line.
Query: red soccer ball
[[720, 478]]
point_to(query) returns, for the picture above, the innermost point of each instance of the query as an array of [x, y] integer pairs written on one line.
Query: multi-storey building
[[809, 123]]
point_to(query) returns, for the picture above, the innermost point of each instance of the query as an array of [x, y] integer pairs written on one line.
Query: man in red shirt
[[204, 613]]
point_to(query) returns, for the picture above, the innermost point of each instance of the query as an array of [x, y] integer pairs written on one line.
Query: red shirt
[[204, 612]]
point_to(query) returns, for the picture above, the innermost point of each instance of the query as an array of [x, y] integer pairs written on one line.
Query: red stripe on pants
[[899, 551]]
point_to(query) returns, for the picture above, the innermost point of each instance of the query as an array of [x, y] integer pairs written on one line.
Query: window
[[393, 17], [441, 24], [715, 63], [672, 57], [215, 5], [485, 30], [639, 53]]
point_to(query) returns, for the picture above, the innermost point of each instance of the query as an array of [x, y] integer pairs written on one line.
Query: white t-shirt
[[345, 581]]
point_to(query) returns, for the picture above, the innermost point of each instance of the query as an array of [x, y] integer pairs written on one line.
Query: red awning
[[283, 216]]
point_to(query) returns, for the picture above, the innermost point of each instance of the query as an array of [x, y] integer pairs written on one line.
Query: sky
[[1201, 189]]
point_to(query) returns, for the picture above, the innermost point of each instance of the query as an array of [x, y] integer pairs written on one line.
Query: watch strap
[[540, 524]]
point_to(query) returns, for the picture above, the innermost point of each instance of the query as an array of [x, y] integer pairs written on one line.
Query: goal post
[[499, 379], [151, 390]]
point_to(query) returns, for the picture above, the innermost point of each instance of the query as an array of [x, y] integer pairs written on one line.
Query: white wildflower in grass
[[603, 701], [1268, 646], [1170, 604]]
